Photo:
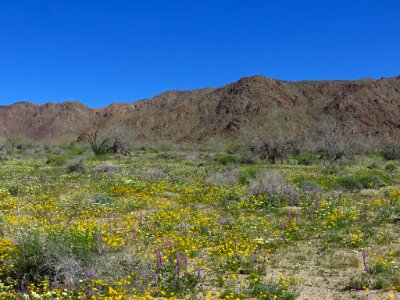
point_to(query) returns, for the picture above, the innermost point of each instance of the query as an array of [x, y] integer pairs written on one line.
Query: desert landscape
[[199, 150], [261, 189]]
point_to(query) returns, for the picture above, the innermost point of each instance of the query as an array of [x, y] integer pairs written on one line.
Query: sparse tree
[[274, 135], [336, 144]]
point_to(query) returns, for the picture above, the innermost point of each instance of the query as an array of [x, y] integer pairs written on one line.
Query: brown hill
[[372, 106]]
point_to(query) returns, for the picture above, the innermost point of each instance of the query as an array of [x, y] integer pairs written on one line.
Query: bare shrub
[[106, 167], [274, 135], [6, 148], [111, 265], [336, 143], [76, 167], [228, 177], [192, 157], [273, 185], [154, 174]]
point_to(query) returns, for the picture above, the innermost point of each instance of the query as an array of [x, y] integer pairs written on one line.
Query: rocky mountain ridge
[[373, 106]]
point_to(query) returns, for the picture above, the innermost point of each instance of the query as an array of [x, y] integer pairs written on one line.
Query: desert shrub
[[168, 155], [3, 158], [110, 265], [336, 144], [42, 255], [376, 277], [274, 135], [391, 168], [106, 167], [247, 158], [232, 148], [76, 167], [225, 159], [372, 181], [99, 147], [103, 199], [349, 183], [330, 169], [273, 289], [247, 173], [165, 146], [391, 153], [154, 174], [228, 177], [372, 166], [72, 256], [271, 184], [192, 157], [306, 159], [15, 190], [75, 151], [58, 160], [309, 185]]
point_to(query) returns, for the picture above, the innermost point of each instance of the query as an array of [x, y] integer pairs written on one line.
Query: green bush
[[247, 173], [306, 159], [168, 155], [75, 151], [103, 199], [390, 168], [350, 183], [225, 159], [58, 160], [372, 181], [372, 166], [14, 190], [330, 170]]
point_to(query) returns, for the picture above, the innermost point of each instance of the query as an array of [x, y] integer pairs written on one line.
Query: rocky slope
[[371, 106]]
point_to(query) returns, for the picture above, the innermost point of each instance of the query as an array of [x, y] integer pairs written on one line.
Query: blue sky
[[100, 52]]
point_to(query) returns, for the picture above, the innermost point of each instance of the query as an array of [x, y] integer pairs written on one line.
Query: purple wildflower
[[364, 258], [155, 278], [178, 259]]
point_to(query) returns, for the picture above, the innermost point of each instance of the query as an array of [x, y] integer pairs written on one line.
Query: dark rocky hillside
[[371, 106]]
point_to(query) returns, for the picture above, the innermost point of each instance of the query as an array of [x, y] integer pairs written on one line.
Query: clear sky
[[100, 51]]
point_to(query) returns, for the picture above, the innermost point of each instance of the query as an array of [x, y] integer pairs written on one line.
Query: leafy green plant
[[391, 168], [372, 181], [57, 160], [330, 169], [103, 199], [225, 159], [306, 159], [247, 173], [350, 183]]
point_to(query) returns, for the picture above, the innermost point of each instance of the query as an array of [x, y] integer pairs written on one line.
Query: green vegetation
[[183, 224]]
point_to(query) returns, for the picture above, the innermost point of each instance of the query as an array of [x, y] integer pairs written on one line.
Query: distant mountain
[[373, 106]]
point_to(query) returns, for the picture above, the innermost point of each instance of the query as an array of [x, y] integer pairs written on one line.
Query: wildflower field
[[197, 225]]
